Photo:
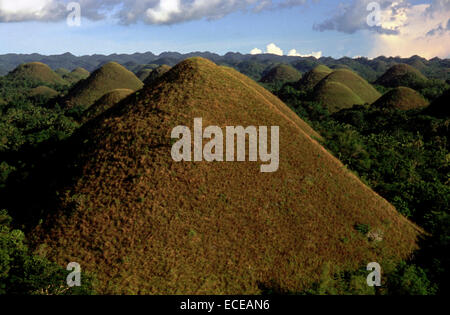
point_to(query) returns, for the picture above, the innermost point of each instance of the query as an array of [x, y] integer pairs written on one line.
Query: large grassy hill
[[402, 75], [36, 73], [342, 89], [311, 78], [109, 77], [281, 74], [143, 223], [402, 98]]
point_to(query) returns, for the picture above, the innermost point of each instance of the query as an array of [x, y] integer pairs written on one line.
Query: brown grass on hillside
[[109, 77], [343, 88], [36, 72], [105, 102], [402, 98], [145, 224]]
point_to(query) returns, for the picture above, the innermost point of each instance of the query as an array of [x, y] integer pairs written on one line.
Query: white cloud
[[417, 34], [315, 54], [274, 50], [20, 10], [255, 51], [132, 11], [164, 12]]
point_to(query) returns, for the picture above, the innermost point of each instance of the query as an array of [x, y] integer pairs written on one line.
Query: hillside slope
[[402, 98], [109, 77], [342, 89], [281, 74], [146, 224], [311, 78], [105, 102], [402, 75], [36, 73]]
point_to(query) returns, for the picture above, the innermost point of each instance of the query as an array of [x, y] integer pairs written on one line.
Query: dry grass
[[402, 98], [311, 78], [109, 77], [43, 91], [156, 73], [76, 75], [282, 73], [105, 102], [36, 72], [145, 224], [344, 88], [402, 75]]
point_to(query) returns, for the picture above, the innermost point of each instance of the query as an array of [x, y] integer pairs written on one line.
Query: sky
[[285, 27]]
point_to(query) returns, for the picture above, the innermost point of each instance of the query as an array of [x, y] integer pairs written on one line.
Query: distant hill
[[143, 223], [342, 89], [105, 102], [402, 75], [281, 74], [76, 75], [109, 77], [43, 91], [251, 65], [402, 98], [440, 107], [36, 73], [62, 71], [311, 78], [156, 73], [143, 74]]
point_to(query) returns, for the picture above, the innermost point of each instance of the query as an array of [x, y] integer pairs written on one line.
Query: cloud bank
[[403, 29], [275, 50], [132, 11]]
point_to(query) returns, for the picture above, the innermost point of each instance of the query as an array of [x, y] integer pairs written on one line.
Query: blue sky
[[328, 28]]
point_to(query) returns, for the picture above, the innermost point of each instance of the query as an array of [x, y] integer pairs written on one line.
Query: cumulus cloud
[[132, 11], [315, 54], [274, 50], [256, 51], [20, 10], [403, 28], [354, 16], [424, 32]]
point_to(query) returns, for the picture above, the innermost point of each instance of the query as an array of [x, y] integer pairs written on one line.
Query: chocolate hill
[[402, 75], [281, 74], [145, 224], [36, 73], [109, 77], [311, 78], [402, 98], [343, 88]]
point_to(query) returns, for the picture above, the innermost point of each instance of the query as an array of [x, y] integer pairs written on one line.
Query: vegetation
[[404, 156], [107, 193]]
